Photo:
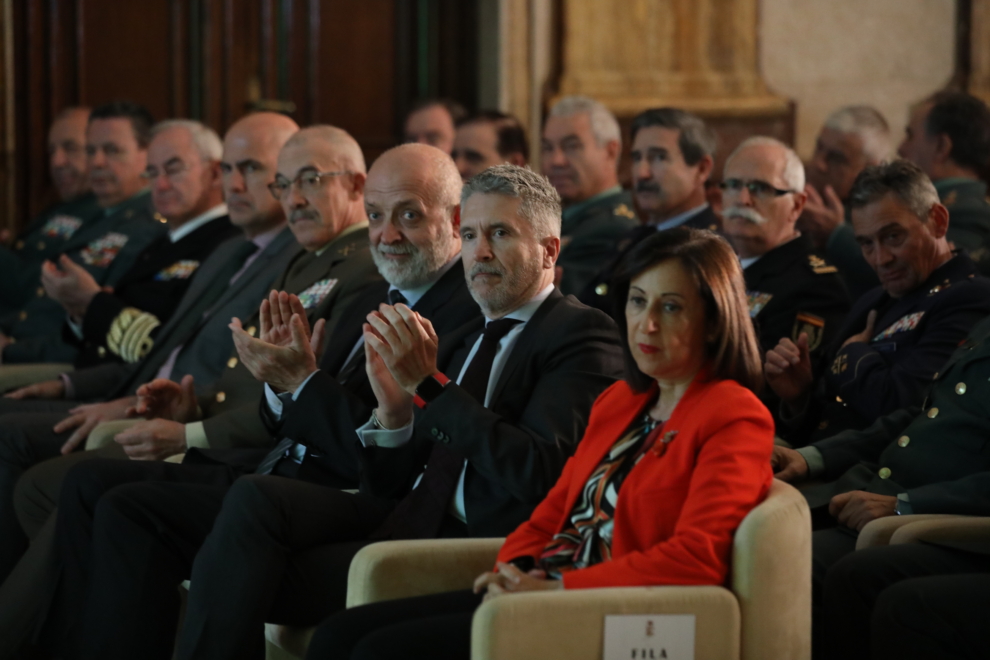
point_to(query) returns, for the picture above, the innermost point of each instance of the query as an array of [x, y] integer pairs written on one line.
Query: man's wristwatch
[[430, 389], [903, 506]]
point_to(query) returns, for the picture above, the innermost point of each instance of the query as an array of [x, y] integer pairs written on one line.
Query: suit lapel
[[348, 330], [257, 266]]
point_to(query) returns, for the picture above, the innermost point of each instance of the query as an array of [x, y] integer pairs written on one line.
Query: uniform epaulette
[[624, 211], [819, 266]]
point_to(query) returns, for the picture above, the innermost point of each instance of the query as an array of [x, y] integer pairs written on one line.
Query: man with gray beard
[[792, 292]]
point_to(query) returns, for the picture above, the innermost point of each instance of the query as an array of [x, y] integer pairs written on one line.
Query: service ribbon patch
[[180, 270], [103, 250], [757, 301], [903, 324], [315, 294], [61, 226]]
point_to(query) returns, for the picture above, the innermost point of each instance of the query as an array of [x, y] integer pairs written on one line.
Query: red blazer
[[676, 514]]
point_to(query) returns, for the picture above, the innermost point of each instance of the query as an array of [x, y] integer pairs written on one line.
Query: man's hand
[[46, 389], [406, 343], [788, 370], [70, 284], [153, 440], [867, 334], [821, 215], [856, 508], [395, 405], [85, 418], [507, 579], [285, 353], [788, 465], [165, 399]]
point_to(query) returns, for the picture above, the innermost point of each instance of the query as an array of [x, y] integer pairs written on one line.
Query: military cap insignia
[[840, 364], [61, 226], [819, 266], [624, 211], [939, 287], [757, 301], [103, 250], [180, 270], [811, 325], [903, 324], [951, 197], [315, 294]]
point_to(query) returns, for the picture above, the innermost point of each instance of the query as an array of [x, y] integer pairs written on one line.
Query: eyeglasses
[[756, 188], [309, 183]]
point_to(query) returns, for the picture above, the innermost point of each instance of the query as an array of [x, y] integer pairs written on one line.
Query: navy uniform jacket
[[590, 231], [969, 218], [913, 337], [938, 453], [843, 251], [596, 292], [45, 237], [155, 284], [107, 248]]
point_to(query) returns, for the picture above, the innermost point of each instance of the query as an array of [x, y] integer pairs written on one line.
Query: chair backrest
[[771, 577]]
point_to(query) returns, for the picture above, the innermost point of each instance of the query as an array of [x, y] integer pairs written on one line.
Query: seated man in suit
[[929, 458], [672, 155], [898, 335], [497, 440], [488, 138], [852, 138], [45, 236], [580, 152], [117, 138]]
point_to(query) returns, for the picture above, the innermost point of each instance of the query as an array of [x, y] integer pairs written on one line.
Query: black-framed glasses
[[755, 187], [309, 182]]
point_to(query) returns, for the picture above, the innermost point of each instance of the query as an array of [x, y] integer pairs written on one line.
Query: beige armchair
[[765, 613], [105, 432], [894, 530], [13, 376]]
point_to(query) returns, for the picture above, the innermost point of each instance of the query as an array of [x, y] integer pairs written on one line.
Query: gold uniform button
[[601, 289], [838, 399], [41, 245], [932, 413], [41, 292], [903, 441], [23, 316], [935, 377], [221, 397], [960, 388], [231, 363], [884, 473], [252, 330], [102, 352]]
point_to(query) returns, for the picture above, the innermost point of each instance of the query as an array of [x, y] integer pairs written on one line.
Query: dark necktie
[[420, 514]]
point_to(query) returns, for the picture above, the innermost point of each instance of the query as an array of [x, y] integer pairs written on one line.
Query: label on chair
[[649, 637]]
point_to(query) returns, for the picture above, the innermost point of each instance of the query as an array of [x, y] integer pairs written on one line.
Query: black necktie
[[420, 514], [395, 297]]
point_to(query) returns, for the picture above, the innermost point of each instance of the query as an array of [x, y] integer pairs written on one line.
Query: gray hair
[[793, 167], [866, 122], [604, 125], [901, 178], [204, 138], [540, 201]]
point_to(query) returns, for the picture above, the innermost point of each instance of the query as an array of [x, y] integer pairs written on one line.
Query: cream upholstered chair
[[13, 376], [104, 432], [765, 613], [894, 530]]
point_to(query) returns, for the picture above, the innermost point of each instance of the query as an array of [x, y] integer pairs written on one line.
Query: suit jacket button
[[231, 363], [903, 441], [884, 473], [932, 413], [435, 433], [221, 397], [960, 388]]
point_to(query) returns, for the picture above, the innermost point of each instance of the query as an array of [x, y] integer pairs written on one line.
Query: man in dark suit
[[117, 138], [672, 156], [897, 336], [538, 380]]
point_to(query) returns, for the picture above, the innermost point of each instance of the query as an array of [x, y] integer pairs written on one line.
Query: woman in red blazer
[[672, 460]]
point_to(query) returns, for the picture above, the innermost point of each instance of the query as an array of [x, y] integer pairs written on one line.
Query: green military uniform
[[969, 217], [44, 238], [107, 248], [590, 231]]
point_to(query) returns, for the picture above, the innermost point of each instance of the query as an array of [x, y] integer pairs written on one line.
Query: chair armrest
[[528, 626], [13, 376], [104, 433], [400, 569], [947, 529], [878, 532]]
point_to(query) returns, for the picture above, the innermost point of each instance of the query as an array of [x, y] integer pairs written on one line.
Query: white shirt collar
[[525, 312], [176, 235], [413, 296]]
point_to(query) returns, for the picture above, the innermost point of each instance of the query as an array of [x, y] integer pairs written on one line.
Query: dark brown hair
[[733, 353]]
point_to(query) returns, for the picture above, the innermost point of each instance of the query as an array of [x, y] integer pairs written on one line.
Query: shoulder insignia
[[939, 287], [903, 324], [757, 301], [819, 266], [103, 250], [315, 293], [811, 325], [624, 211], [346, 250], [130, 334], [951, 197], [61, 226], [180, 270]]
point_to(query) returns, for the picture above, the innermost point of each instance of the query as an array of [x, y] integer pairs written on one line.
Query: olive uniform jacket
[[590, 232]]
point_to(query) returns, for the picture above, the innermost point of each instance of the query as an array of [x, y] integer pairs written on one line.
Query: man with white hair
[[852, 138], [792, 293], [580, 152]]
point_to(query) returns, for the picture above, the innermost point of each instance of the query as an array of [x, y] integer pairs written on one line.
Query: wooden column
[[979, 74]]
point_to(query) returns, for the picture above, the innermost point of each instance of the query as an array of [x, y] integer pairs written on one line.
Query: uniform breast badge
[[811, 325], [180, 270], [840, 364], [903, 324], [315, 294], [104, 250], [61, 226], [757, 301]]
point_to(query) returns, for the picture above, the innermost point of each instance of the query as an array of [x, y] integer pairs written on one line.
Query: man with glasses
[[897, 336], [792, 293]]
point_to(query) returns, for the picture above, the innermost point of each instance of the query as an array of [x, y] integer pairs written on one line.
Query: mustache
[[745, 213], [647, 186], [402, 248], [486, 269], [303, 214]]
